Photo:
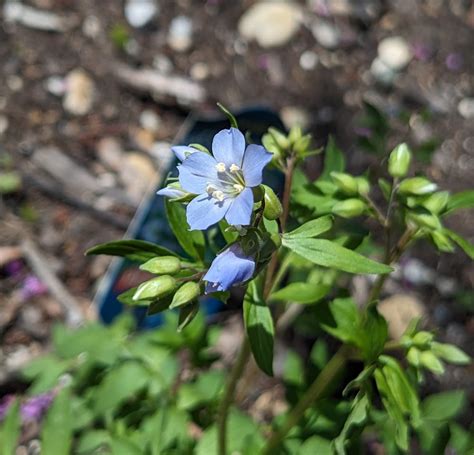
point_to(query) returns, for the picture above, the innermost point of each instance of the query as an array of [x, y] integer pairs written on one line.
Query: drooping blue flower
[[229, 268], [223, 182]]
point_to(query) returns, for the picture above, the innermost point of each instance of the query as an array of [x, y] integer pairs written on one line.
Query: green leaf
[[259, 326], [120, 384], [123, 446], [374, 334], [312, 228], [316, 445], [329, 254], [301, 293], [464, 244], [45, 371], [444, 406], [293, 370], [229, 235], [193, 242], [10, 429], [333, 160], [92, 440], [342, 321], [230, 116], [134, 250], [10, 182], [187, 314], [205, 389], [462, 200], [57, 431]]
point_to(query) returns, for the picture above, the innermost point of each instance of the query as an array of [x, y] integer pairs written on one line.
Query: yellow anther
[[220, 167], [234, 168], [219, 195], [210, 189]]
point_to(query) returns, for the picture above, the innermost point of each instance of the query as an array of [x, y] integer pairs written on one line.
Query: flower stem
[[228, 398]]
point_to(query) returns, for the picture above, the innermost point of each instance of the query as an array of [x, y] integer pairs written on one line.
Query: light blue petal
[[171, 192], [240, 210], [228, 147], [183, 151], [203, 211], [255, 159], [196, 171], [231, 267]]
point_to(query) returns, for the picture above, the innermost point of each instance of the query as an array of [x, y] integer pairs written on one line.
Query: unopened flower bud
[[426, 220], [186, 294], [399, 161], [436, 202], [363, 186], [450, 353], [413, 357], [423, 338], [295, 134], [273, 208], [155, 288], [349, 208], [302, 144], [162, 265], [431, 362], [280, 138], [270, 144], [417, 186], [345, 182]]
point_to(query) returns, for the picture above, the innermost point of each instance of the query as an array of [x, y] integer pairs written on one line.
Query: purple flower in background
[[223, 182], [32, 287], [454, 61], [35, 407], [5, 404], [14, 268], [229, 268]]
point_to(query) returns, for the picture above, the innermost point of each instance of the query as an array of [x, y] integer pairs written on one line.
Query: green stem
[[228, 398], [316, 391]]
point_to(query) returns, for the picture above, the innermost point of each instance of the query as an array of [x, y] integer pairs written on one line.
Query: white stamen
[[210, 189], [234, 168], [220, 167], [238, 187], [219, 195]]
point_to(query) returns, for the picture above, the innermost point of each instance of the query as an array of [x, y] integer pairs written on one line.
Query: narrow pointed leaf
[[312, 228]]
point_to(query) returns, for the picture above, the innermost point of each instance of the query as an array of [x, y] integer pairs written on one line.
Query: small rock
[[110, 153], [383, 73], [271, 24], [326, 34], [140, 12], [14, 11], [309, 60], [295, 116], [91, 26], [466, 108], [3, 125], [199, 71], [394, 52], [399, 310], [180, 34], [150, 121], [80, 92], [56, 85], [137, 174], [163, 64]]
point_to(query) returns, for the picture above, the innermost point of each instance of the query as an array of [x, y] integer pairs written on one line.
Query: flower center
[[220, 167], [230, 182]]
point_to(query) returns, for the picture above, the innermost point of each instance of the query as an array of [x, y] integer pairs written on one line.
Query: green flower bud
[[436, 202], [442, 241], [186, 294], [417, 186], [399, 161], [280, 139], [345, 182], [155, 288], [450, 353], [273, 208], [296, 133], [162, 265], [413, 357], [426, 220], [363, 186], [423, 338], [270, 144], [431, 362], [302, 144], [349, 208]]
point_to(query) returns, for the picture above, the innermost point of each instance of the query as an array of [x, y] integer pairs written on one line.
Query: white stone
[[466, 108], [382, 72], [309, 60], [80, 92], [271, 24], [394, 52], [140, 12], [199, 71], [150, 120], [180, 33], [295, 116], [326, 34], [56, 85]]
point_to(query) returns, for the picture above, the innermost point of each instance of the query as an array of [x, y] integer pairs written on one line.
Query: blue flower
[[173, 191], [229, 268], [224, 181]]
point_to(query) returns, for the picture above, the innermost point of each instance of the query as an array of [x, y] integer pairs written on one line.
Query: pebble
[[91, 26], [137, 174], [270, 24], [399, 310], [394, 52], [150, 120], [466, 108], [163, 64], [295, 116], [309, 60], [199, 71], [180, 34], [110, 153], [80, 92], [3, 125], [15, 11], [383, 73], [140, 12], [326, 34], [56, 85]]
